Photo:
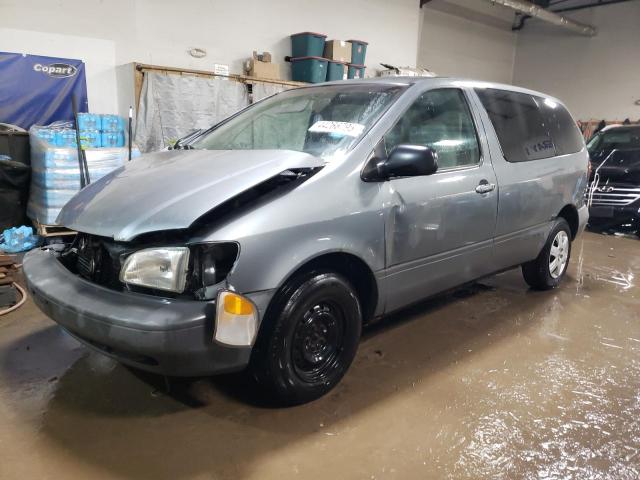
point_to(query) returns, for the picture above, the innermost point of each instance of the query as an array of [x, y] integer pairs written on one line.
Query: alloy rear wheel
[[549, 267]]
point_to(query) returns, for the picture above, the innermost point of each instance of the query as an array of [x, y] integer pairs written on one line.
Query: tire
[[542, 273], [309, 339]]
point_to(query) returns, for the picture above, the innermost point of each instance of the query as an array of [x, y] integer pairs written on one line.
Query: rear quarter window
[[561, 126], [519, 125]]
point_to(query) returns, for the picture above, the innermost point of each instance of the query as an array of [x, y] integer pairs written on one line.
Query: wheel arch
[[570, 214], [350, 266]]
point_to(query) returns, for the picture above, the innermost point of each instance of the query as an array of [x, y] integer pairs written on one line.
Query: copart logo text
[[56, 69]]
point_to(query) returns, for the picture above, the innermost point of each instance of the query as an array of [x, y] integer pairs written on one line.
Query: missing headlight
[[212, 262]]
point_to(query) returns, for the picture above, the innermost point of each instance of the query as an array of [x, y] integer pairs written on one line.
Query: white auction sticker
[[343, 128]]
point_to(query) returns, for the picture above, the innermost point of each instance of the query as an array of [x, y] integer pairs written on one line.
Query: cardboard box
[[264, 69], [337, 50], [406, 72]]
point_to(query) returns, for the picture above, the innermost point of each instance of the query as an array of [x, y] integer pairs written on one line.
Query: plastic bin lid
[[356, 66], [309, 33], [295, 59], [358, 41]]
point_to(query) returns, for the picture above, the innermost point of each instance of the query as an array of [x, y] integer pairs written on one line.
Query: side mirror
[[409, 161]]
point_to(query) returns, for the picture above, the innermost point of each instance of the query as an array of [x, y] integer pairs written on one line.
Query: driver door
[[439, 228]]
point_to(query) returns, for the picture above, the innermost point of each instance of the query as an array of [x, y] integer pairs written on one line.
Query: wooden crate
[[52, 230]]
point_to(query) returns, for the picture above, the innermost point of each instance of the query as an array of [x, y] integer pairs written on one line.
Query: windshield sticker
[[341, 128]]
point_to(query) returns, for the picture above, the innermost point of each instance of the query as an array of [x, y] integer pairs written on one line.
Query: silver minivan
[[270, 239]]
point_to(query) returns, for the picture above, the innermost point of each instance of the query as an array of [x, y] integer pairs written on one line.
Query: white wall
[[596, 77], [468, 38], [161, 31]]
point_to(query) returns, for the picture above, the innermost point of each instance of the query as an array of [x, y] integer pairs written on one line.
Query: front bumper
[[167, 336], [615, 216]]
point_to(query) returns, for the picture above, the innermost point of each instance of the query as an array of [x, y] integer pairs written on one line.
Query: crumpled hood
[[170, 190]]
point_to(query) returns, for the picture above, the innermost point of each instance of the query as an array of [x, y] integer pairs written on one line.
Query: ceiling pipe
[[528, 8]]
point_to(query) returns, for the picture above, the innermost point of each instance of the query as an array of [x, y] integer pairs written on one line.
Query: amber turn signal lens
[[236, 319], [237, 305]]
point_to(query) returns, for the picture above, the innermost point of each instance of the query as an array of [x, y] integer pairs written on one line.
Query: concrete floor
[[490, 381]]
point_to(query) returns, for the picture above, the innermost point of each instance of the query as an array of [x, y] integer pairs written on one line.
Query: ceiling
[[571, 5]]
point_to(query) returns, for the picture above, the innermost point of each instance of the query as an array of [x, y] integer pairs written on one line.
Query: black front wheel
[[309, 338]]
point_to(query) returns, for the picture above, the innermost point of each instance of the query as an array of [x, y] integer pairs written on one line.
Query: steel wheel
[[559, 254], [317, 342], [309, 339]]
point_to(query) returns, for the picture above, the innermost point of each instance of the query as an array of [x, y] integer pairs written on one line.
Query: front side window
[[519, 125], [439, 119], [324, 121]]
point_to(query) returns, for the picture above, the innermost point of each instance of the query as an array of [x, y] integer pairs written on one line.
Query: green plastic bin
[[355, 71], [336, 71], [358, 51], [309, 69], [307, 44]]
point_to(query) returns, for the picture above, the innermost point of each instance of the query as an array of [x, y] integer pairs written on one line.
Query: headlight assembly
[[162, 268], [198, 269]]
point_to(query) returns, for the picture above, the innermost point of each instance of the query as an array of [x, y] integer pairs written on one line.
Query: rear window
[[519, 124], [563, 129]]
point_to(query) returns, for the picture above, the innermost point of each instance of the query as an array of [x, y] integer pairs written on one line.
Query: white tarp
[[171, 106], [262, 90]]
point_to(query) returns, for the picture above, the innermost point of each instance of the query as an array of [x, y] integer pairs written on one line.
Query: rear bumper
[[583, 218], [171, 337]]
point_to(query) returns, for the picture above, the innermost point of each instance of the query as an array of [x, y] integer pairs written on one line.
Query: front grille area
[[96, 259], [606, 195]]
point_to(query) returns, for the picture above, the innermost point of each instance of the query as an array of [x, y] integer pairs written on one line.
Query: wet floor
[[491, 381]]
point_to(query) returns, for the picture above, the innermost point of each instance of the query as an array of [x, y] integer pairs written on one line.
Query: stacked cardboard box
[[260, 66]]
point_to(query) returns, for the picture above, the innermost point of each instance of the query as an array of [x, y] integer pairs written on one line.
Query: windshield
[[617, 139], [322, 121]]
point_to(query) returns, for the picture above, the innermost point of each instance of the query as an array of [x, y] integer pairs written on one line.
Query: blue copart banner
[[38, 90]]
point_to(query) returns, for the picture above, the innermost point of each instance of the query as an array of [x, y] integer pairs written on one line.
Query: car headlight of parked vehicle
[[163, 268]]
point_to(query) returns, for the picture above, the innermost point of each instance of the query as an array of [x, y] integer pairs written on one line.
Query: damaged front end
[[170, 263], [146, 280], [113, 265]]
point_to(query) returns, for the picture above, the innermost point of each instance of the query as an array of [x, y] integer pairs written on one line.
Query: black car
[[614, 193]]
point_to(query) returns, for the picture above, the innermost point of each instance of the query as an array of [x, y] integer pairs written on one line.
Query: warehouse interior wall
[[162, 31], [598, 77], [467, 38]]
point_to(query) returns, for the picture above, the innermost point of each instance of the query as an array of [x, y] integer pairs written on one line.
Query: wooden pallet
[[52, 230]]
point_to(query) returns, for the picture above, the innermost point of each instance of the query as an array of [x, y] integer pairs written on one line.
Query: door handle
[[485, 187]]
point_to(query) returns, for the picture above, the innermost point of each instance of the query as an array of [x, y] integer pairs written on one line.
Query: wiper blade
[[183, 143], [178, 146]]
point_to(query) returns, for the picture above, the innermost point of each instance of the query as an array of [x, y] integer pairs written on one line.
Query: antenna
[[130, 129], [82, 159]]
